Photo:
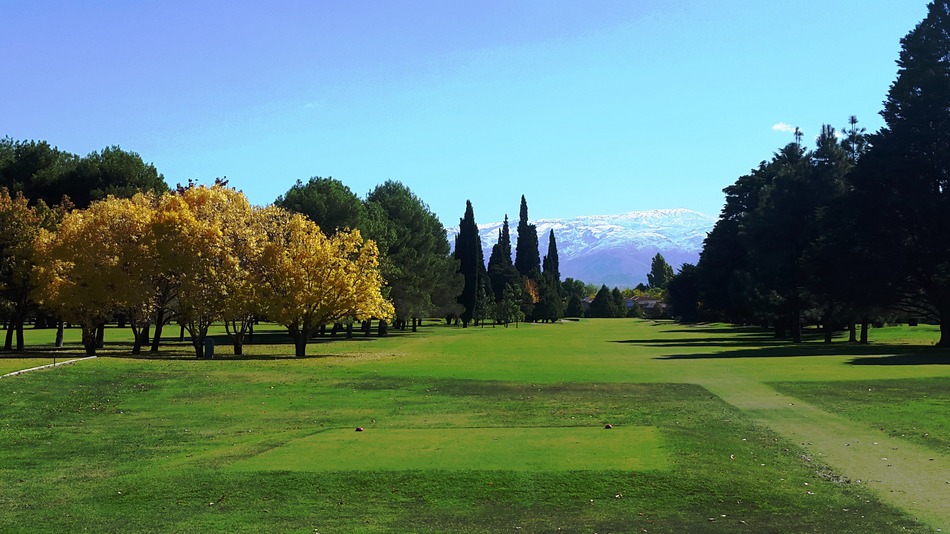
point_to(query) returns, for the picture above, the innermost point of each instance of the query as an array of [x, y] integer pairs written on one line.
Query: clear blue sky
[[585, 107]]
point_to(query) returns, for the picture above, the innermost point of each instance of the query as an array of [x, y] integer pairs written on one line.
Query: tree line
[[853, 231], [88, 240], [529, 287], [199, 255]]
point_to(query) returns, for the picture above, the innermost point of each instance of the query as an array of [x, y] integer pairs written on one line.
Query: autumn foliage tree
[[98, 263], [204, 244], [307, 279], [21, 225]]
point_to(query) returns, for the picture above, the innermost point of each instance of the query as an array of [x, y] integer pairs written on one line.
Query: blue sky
[[584, 107]]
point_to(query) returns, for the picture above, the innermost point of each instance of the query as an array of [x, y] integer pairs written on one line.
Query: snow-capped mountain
[[613, 249]]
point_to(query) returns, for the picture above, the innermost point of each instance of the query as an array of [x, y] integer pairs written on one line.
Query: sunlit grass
[[170, 443]]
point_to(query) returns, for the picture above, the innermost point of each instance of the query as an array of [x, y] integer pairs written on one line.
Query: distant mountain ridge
[[613, 249]]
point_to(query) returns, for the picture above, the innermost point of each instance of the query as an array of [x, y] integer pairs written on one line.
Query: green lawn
[[478, 429]]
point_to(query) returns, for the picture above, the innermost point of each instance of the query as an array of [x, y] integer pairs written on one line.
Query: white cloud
[[782, 127]]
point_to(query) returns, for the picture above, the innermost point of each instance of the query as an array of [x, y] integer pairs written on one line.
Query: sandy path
[[905, 474]]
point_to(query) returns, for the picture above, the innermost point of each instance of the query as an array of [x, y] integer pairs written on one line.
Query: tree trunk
[[349, 330], [852, 333], [89, 338], [159, 323], [414, 325], [181, 333], [864, 331], [779, 330], [300, 346], [19, 335], [944, 332], [137, 339], [829, 332], [8, 343], [238, 343], [101, 336], [59, 333], [146, 334], [383, 328]]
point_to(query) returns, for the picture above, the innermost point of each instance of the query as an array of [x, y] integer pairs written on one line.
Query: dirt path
[[907, 475]]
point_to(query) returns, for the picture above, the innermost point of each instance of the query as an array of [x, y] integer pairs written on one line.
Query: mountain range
[[615, 250]]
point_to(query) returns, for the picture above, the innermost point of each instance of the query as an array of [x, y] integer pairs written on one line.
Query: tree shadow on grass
[[873, 354], [928, 357], [788, 350]]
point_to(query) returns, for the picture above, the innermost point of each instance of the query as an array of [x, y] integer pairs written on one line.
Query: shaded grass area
[[121, 444], [916, 410]]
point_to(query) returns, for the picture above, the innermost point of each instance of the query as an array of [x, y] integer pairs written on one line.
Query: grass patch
[[462, 449]]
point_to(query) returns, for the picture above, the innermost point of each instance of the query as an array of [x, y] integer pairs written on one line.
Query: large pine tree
[[905, 176]]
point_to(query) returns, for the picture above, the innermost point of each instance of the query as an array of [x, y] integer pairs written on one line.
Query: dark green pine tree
[[527, 257], [552, 267], [468, 251], [501, 271], [904, 178], [660, 272], [602, 306], [683, 292], [619, 305], [551, 304]]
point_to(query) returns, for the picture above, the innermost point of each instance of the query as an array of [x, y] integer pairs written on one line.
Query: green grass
[[266, 442], [465, 449]]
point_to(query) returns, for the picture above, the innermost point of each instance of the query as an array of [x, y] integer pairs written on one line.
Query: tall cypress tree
[[501, 270], [527, 257], [551, 305], [468, 250], [551, 264]]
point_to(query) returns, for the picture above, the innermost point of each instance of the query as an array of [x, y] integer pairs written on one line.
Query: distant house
[[652, 307]]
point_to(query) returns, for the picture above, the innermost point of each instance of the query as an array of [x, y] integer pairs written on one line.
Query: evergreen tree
[[904, 179], [415, 259], [501, 271], [551, 303], [602, 306], [660, 272], [509, 309], [551, 263], [575, 308], [825, 272], [327, 202], [683, 294], [618, 302], [468, 251], [527, 257]]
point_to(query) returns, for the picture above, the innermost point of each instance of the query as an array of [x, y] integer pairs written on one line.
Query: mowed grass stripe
[[463, 449]]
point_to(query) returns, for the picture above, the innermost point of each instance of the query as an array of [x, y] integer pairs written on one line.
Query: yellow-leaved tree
[[98, 263], [306, 279], [20, 224], [204, 250]]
